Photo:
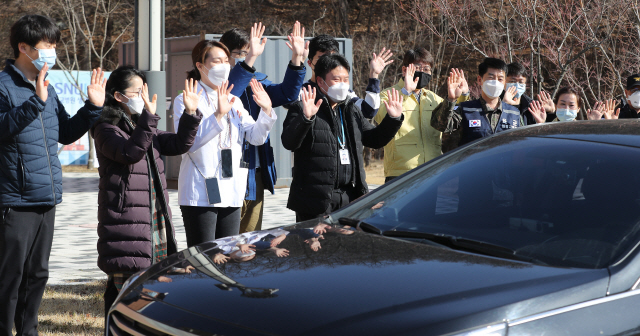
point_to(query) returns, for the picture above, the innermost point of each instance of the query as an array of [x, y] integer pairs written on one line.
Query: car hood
[[355, 282]]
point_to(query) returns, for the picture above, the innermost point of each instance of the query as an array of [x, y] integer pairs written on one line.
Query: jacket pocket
[[123, 187], [406, 156], [21, 174]]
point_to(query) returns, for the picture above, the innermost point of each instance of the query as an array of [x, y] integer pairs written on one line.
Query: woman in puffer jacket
[[134, 219]]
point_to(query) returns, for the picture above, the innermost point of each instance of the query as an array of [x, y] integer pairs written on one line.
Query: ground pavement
[[74, 255]]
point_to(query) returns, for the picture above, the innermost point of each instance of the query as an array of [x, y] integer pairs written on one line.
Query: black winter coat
[[314, 143], [127, 157]]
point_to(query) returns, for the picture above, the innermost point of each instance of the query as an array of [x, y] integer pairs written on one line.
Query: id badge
[[213, 191], [344, 156], [225, 164]]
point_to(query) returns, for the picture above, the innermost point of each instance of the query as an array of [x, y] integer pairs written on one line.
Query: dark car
[[533, 231]]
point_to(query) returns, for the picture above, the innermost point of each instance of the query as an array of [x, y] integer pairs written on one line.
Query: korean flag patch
[[474, 123]]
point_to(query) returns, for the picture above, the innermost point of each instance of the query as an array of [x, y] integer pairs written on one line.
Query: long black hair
[[120, 81]]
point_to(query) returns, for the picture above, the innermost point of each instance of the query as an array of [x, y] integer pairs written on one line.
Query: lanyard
[[341, 142]]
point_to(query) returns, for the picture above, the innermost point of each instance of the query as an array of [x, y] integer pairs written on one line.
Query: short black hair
[[328, 62], [32, 29], [516, 69], [417, 55], [120, 81], [235, 38], [491, 63], [323, 43]]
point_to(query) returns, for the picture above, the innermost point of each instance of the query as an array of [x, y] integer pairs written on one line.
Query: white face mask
[[338, 92], [239, 60], [566, 114], [492, 88], [520, 88], [135, 105], [45, 56], [218, 73], [634, 99]]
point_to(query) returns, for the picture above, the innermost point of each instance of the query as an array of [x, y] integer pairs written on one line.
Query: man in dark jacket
[[32, 122], [630, 103], [517, 78], [327, 132], [244, 50]]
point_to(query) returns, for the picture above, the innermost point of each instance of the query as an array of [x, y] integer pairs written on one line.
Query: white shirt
[[205, 151], [229, 244]]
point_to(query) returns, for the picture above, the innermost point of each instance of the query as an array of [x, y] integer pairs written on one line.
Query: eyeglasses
[[422, 68], [242, 53], [136, 94]]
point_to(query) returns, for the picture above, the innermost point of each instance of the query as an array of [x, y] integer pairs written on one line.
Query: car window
[[565, 202]]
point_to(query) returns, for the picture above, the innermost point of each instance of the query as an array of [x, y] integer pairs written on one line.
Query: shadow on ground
[[72, 309]]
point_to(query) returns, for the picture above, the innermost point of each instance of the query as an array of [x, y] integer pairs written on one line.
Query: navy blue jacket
[[30, 129], [280, 94], [476, 125]]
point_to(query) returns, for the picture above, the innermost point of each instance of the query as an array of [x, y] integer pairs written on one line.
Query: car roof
[[624, 132]]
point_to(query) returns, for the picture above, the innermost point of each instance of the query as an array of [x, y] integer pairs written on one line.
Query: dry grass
[[78, 169], [375, 172], [72, 310]]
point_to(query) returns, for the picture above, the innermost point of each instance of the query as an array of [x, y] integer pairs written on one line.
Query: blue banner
[[68, 92]]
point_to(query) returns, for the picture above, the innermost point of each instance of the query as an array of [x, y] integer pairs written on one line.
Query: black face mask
[[424, 79]]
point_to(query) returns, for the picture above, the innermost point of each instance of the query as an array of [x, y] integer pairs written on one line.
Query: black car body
[[533, 231]]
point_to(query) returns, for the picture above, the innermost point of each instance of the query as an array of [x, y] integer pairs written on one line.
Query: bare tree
[[94, 28]]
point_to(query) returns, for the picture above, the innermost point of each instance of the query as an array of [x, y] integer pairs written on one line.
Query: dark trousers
[[389, 178], [26, 235], [339, 198], [203, 224], [110, 295]]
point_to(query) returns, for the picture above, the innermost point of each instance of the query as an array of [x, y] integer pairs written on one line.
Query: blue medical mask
[[47, 56], [566, 114], [520, 88]]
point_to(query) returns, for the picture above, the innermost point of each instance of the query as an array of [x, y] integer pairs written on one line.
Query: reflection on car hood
[[354, 282]]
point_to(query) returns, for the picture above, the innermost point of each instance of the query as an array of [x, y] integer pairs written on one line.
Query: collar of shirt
[[488, 109], [212, 94]]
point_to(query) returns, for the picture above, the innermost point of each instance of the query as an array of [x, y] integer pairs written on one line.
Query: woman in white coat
[[212, 181]]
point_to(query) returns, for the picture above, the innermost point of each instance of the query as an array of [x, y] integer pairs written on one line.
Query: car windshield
[[566, 203]]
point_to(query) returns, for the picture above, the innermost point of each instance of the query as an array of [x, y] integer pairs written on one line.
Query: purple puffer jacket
[[124, 212]]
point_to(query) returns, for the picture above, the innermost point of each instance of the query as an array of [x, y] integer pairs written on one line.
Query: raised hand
[[610, 111], [149, 105], [256, 43], [224, 104], [189, 96], [220, 258], [509, 94], [309, 106], [379, 62], [246, 248], [464, 85], [96, 90], [537, 111], [394, 103], [597, 112], [280, 252], [547, 102], [321, 228], [456, 84], [276, 241], [410, 84], [260, 96], [41, 84], [297, 45]]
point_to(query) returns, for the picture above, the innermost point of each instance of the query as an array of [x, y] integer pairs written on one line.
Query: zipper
[[46, 147]]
